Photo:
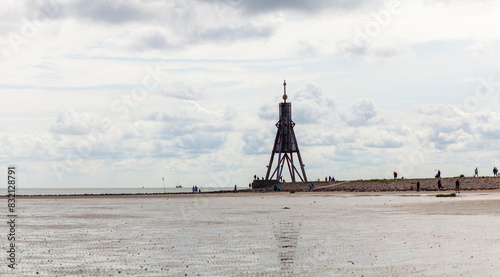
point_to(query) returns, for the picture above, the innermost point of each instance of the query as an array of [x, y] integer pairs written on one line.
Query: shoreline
[[386, 186], [247, 193]]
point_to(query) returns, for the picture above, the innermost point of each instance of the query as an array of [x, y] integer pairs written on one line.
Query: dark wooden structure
[[285, 145]]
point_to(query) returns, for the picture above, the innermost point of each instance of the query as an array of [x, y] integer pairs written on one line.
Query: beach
[[259, 234]]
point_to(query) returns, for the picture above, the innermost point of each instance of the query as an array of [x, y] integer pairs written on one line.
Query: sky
[[122, 93]]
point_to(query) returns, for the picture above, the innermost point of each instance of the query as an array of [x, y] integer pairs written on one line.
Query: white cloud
[[384, 137], [73, 122], [311, 105], [451, 129], [480, 48], [183, 90], [27, 146], [362, 112]]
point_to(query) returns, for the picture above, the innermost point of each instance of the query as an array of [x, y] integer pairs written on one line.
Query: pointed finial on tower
[[284, 91]]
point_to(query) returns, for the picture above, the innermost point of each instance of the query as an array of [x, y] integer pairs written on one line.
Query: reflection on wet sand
[[287, 235]]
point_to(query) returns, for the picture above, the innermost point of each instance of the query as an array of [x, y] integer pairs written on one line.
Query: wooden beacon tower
[[285, 144]]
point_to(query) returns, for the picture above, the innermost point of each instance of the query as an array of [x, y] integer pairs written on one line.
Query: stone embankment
[[380, 185]]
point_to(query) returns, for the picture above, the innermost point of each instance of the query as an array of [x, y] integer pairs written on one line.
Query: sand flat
[[321, 234]]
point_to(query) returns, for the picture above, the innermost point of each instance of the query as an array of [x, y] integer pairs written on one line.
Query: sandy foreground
[[259, 234]]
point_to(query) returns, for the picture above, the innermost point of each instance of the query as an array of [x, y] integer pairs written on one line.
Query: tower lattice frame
[[285, 145]]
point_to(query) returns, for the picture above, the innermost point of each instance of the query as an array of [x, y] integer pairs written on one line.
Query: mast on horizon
[[285, 144]]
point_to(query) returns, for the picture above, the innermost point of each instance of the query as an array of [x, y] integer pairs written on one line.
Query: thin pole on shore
[[163, 179]]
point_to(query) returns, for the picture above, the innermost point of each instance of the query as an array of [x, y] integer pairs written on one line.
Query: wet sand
[[259, 234]]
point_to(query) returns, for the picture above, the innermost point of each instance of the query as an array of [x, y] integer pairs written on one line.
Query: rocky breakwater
[[381, 185]]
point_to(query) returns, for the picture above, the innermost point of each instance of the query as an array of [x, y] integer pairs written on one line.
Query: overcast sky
[[122, 93]]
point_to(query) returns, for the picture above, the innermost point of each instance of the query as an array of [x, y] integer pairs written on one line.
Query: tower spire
[[284, 91]]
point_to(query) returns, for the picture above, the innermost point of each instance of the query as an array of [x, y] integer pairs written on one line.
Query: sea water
[[83, 191]]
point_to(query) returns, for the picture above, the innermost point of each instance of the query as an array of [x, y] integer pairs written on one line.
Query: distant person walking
[[194, 190], [418, 185], [311, 186], [495, 171], [395, 175], [439, 184], [457, 186], [234, 188], [476, 173], [438, 175]]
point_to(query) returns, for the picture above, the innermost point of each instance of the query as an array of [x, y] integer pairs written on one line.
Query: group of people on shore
[[329, 179], [438, 174], [195, 189], [440, 186], [495, 172]]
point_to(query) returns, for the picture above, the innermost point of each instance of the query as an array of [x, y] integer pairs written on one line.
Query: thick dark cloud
[[114, 12], [263, 6], [167, 25], [158, 38], [234, 33]]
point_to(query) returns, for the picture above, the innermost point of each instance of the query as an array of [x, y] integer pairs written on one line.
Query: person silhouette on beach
[[439, 184], [395, 175], [457, 186], [476, 173], [418, 185]]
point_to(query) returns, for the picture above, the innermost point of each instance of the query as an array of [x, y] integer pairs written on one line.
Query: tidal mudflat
[[259, 234]]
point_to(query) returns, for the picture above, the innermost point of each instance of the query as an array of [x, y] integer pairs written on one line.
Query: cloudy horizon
[[123, 93]]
